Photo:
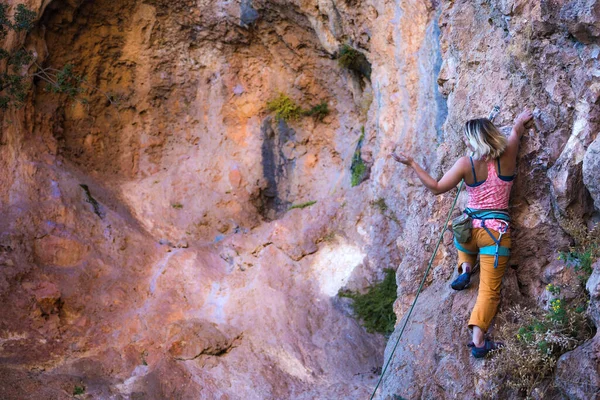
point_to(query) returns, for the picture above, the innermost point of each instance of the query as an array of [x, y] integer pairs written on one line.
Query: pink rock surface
[[186, 275]]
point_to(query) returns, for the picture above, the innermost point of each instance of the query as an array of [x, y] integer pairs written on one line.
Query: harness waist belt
[[487, 250], [488, 214]]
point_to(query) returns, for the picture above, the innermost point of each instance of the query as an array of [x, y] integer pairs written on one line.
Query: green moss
[[375, 308], [285, 108], [354, 60], [358, 168], [358, 171], [380, 204], [383, 208], [302, 205], [320, 111], [77, 390]]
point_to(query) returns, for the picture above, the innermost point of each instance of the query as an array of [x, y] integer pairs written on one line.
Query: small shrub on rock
[[533, 340], [319, 112], [286, 109], [586, 250], [375, 308], [15, 82], [580, 260]]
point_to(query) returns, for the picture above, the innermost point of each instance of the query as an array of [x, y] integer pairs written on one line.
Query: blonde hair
[[485, 139]]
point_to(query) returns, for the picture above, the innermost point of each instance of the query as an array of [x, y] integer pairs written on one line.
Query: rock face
[[148, 247], [513, 54], [569, 378]]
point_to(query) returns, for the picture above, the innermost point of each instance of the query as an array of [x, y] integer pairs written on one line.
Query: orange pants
[[490, 278]]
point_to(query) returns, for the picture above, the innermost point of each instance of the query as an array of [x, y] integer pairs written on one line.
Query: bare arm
[[517, 132], [448, 181]]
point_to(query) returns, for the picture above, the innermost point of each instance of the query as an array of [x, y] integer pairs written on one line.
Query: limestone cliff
[[148, 247]]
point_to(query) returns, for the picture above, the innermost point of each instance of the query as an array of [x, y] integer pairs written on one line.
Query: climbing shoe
[[462, 281], [488, 345]]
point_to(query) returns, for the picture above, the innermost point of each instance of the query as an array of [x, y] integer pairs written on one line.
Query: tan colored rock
[[59, 251]]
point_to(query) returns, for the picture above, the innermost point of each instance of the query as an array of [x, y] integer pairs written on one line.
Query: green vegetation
[[23, 20], [586, 248], [580, 260], [286, 109], [15, 84], [177, 206], [534, 340], [358, 168], [375, 308], [65, 82], [354, 60], [302, 205], [319, 112], [77, 390], [383, 208], [358, 171], [553, 289]]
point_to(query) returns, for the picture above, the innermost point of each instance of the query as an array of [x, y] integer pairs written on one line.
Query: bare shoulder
[[462, 165], [463, 162]]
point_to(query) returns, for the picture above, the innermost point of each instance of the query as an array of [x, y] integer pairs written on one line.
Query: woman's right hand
[[523, 118]]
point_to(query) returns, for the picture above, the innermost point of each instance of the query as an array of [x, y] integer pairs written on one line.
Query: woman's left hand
[[402, 157]]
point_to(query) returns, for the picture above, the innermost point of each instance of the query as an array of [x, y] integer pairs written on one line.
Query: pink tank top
[[493, 193]]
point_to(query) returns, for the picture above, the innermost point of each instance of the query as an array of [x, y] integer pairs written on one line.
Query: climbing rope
[[418, 291], [491, 117]]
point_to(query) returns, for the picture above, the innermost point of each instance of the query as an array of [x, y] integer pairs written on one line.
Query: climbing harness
[[498, 250], [494, 250]]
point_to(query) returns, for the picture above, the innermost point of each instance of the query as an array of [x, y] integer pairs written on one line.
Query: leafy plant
[[23, 19], [375, 308], [553, 289], [15, 83], [65, 82], [14, 86], [320, 111], [580, 260], [285, 108]]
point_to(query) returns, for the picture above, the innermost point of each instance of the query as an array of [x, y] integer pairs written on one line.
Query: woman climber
[[489, 175]]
